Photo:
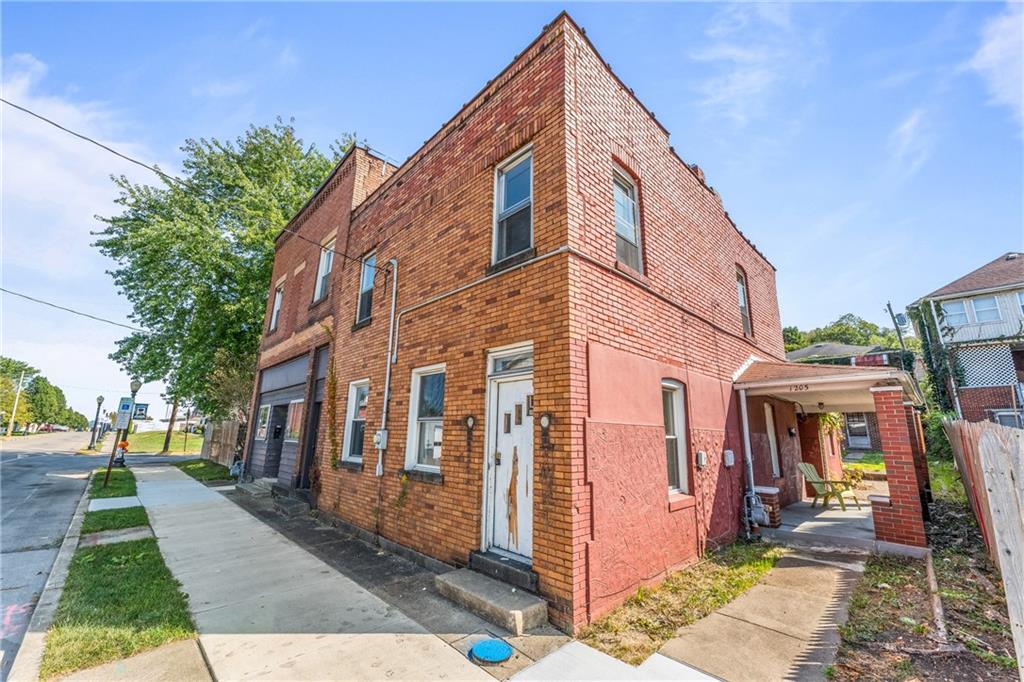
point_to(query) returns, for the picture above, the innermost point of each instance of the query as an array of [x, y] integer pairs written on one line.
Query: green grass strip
[[204, 470], [114, 519], [122, 483], [119, 600]]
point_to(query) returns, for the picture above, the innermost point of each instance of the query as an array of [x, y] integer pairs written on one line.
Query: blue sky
[[872, 151]]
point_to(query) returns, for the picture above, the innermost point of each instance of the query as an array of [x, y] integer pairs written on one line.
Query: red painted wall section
[[789, 448], [820, 449], [638, 532]]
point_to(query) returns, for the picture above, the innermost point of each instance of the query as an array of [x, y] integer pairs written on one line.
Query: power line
[[72, 310], [170, 178]]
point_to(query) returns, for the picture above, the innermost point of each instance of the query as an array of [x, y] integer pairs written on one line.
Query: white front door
[[510, 463]]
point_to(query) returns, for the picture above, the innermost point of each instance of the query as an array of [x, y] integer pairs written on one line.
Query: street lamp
[[96, 423]]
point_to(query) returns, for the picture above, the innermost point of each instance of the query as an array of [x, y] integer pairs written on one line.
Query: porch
[[892, 513]]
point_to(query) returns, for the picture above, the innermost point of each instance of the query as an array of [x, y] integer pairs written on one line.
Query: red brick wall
[[975, 402], [902, 521]]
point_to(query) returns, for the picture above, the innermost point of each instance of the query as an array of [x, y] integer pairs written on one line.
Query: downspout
[[949, 366], [381, 439], [753, 509]]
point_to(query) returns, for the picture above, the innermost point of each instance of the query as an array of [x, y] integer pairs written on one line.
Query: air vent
[[1012, 256]]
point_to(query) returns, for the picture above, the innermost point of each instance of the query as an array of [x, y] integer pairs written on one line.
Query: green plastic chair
[[826, 490]]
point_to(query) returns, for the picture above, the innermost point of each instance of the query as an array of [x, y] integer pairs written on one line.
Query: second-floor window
[[369, 269], [323, 271], [513, 232], [955, 313], [744, 301], [627, 221], [986, 309], [1020, 301], [275, 312]]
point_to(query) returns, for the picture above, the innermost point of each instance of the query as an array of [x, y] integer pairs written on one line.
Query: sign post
[[124, 414]]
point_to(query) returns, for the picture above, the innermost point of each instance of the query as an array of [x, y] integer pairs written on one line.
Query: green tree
[[46, 401], [793, 338], [195, 258]]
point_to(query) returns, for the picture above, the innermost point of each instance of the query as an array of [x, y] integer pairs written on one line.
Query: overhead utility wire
[[170, 178], [72, 310]]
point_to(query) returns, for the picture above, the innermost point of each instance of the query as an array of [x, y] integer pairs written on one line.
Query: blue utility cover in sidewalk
[[490, 651]]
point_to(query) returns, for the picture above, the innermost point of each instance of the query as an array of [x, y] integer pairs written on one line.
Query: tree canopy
[[41, 402], [849, 329], [194, 257]]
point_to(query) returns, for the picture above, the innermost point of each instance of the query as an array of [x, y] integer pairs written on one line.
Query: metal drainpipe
[[949, 365], [748, 460], [393, 262]]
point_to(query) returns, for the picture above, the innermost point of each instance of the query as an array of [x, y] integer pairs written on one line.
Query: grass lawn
[[114, 519], [153, 441], [122, 483], [204, 470], [651, 617], [871, 461], [118, 600]]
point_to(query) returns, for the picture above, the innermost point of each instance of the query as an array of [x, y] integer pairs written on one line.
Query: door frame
[[490, 405]]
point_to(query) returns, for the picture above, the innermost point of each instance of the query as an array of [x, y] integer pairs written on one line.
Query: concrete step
[[290, 506], [253, 489], [502, 568], [502, 604]]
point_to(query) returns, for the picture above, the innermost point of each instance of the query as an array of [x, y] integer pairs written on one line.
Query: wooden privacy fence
[[220, 441], [990, 458]]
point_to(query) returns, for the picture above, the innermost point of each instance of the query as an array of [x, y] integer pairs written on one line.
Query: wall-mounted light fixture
[[545, 420], [470, 422], [792, 431]]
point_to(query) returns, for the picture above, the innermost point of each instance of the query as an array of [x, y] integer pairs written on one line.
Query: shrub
[[934, 436]]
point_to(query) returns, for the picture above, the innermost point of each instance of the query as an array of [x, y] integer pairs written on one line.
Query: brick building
[[522, 353], [976, 325]]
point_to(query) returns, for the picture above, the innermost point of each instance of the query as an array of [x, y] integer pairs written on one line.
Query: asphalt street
[[41, 482]]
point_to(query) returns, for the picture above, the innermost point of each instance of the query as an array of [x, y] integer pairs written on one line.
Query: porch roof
[[824, 388]]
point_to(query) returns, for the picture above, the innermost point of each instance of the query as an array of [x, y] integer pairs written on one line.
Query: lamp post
[[96, 423], [135, 386]]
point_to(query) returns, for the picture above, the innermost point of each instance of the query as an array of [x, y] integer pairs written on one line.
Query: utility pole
[[96, 423], [14, 410], [170, 427]]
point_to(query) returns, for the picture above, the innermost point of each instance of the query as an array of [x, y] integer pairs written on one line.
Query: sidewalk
[[266, 608]]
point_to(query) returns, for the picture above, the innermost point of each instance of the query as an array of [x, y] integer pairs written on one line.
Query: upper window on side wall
[[369, 269], [323, 271], [513, 231], [1020, 301], [275, 312], [986, 309], [627, 221], [426, 418], [955, 313], [744, 301]]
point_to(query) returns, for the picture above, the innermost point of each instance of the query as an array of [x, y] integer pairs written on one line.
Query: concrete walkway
[[784, 628], [265, 608]]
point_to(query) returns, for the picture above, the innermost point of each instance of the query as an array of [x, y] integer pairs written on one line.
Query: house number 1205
[[798, 387]]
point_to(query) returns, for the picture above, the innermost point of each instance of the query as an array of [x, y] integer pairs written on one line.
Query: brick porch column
[[900, 520]]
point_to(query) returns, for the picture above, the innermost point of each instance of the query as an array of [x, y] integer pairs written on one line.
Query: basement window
[[369, 269], [627, 221], [513, 231], [355, 420], [426, 418], [323, 271]]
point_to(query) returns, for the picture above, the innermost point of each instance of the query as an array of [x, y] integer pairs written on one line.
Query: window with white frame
[[323, 271], [293, 423], [1007, 418], [355, 420], [954, 313], [275, 311], [262, 422], [673, 403], [986, 309], [369, 269], [743, 300], [773, 443], [513, 231], [627, 220], [426, 418], [1020, 301]]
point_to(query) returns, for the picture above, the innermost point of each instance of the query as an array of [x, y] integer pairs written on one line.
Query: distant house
[[861, 428], [976, 323]]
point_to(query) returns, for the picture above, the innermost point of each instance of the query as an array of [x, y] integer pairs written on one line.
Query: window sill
[[318, 301], [512, 261], [679, 501], [630, 272], [423, 476], [362, 323], [351, 464]]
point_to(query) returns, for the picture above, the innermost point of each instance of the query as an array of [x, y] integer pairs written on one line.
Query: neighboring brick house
[[529, 342], [977, 322], [860, 428]]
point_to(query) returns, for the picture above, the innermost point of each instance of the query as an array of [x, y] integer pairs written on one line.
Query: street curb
[[30, 653]]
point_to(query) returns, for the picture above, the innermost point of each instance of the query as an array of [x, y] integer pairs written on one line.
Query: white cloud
[[910, 145], [1000, 59], [752, 51]]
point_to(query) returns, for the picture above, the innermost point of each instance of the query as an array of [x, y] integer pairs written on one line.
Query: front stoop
[[502, 568], [259, 488], [502, 604], [291, 506]]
